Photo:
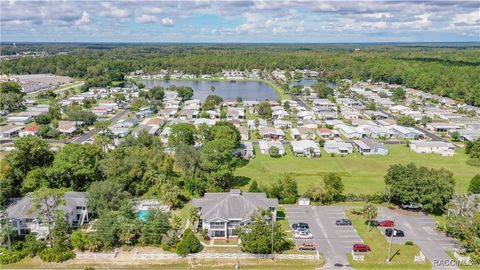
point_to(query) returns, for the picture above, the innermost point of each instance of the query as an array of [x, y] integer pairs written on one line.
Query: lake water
[[308, 82], [226, 89]]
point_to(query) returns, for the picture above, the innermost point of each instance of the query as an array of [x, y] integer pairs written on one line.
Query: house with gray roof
[[305, 148], [368, 146], [222, 213], [24, 221]]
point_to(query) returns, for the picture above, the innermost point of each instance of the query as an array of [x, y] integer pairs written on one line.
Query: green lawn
[[376, 259], [463, 267], [361, 174]]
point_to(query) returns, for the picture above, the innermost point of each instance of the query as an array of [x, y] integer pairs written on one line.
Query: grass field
[[361, 174], [376, 259]]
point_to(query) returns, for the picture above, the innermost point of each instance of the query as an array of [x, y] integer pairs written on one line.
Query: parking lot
[[420, 229], [333, 241]]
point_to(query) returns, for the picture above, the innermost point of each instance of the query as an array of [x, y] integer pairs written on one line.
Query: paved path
[[420, 229], [87, 136]]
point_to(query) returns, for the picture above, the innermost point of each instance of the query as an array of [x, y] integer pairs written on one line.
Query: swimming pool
[[143, 214]]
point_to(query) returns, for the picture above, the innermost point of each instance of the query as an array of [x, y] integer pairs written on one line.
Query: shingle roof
[[232, 205]]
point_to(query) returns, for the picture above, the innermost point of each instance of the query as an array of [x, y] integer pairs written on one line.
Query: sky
[[235, 21]]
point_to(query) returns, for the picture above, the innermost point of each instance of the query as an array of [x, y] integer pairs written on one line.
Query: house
[[376, 132], [206, 121], [399, 109], [323, 104], [119, 132], [127, 123], [165, 134], [223, 212], [349, 102], [19, 120], [24, 221], [308, 123], [469, 135], [254, 124], [338, 147], [266, 145], [9, 131], [327, 115], [302, 133], [350, 132], [305, 148], [244, 133], [281, 124], [270, 133], [68, 127], [302, 115], [245, 150], [189, 114], [31, 130], [235, 113], [442, 127], [350, 114], [442, 148], [370, 147], [406, 132], [152, 130], [326, 133]]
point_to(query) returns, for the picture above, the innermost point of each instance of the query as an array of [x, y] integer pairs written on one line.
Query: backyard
[[360, 174]]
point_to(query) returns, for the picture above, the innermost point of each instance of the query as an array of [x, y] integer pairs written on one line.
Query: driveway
[[334, 242], [420, 229]]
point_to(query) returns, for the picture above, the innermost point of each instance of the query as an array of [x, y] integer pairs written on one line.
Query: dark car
[[397, 232], [343, 221], [306, 246], [361, 248], [300, 225], [386, 223]]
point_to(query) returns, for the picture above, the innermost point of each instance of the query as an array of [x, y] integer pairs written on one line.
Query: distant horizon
[[233, 42]]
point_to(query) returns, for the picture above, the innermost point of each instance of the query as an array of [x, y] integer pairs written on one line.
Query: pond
[[226, 89], [309, 82]]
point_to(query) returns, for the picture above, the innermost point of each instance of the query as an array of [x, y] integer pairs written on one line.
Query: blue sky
[[312, 21]]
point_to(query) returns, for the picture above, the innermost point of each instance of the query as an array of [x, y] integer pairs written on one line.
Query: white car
[[303, 235]]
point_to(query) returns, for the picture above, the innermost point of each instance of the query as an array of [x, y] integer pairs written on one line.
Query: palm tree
[[212, 88], [194, 217], [370, 212]]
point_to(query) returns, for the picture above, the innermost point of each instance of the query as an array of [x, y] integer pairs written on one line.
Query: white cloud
[[146, 19], [167, 21], [471, 18], [113, 11], [84, 20]]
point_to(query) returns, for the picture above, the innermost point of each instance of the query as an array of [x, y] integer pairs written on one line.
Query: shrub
[[79, 240], [56, 254], [357, 211], [89, 268], [188, 244], [13, 256], [409, 243]]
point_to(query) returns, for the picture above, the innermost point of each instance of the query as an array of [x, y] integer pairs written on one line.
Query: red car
[[361, 248], [386, 223]]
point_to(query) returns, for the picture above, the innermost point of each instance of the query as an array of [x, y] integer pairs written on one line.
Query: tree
[[274, 151], [239, 99], [318, 193], [183, 133], [11, 96], [171, 194], [106, 196], [370, 212], [333, 185], [455, 136], [225, 130], [47, 201], [322, 89], [217, 100], [194, 216], [254, 187], [285, 189], [265, 110], [61, 230], [188, 244], [153, 229], [138, 103], [399, 94], [188, 159], [259, 237], [463, 221], [372, 106], [472, 148], [419, 185], [42, 119], [119, 98], [425, 120], [184, 92], [75, 166], [87, 117], [157, 93], [30, 153], [406, 121], [474, 186], [212, 88]]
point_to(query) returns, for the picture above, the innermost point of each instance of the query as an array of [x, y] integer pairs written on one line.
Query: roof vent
[[235, 192]]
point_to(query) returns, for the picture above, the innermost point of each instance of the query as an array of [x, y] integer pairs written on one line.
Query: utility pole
[[391, 239]]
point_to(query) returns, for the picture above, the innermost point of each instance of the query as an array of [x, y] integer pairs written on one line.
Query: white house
[[442, 127], [338, 147], [350, 132], [305, 148], [266, 145], [442, 148]]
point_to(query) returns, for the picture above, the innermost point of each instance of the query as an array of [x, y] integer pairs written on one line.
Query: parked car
[[396, 232], [303, 235], [411, 206], [300, 229], [306, 246], [361, 248], [300, 224], [343, 221], [386, 223]]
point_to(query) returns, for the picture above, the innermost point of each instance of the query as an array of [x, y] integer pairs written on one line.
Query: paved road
[[420, 229], [334, 242], [300, 102], [87, 136]]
